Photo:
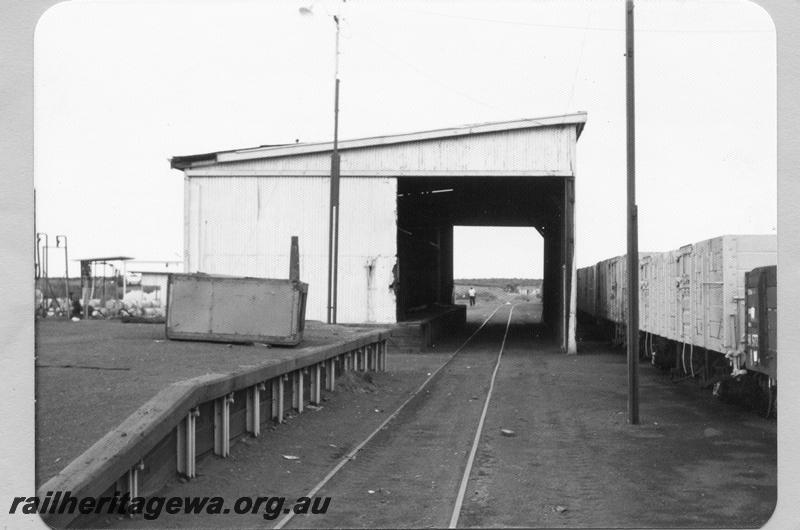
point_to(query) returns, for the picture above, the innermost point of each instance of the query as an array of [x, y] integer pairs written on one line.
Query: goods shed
[[400, 197]]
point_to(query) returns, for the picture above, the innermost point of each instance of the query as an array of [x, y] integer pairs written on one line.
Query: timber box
[[235, 309]]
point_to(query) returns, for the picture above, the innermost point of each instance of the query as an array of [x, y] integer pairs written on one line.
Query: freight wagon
[[761, 326], [693, 309], [603, 295]]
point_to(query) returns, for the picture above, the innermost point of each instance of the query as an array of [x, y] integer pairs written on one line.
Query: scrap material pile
[[139, 304]]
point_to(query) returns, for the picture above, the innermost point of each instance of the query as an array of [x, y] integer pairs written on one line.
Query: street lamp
[[333, 219]]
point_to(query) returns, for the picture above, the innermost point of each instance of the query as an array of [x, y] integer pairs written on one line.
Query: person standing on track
[[471, 293]]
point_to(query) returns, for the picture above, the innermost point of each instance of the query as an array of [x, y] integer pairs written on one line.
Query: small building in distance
[[150, 276]]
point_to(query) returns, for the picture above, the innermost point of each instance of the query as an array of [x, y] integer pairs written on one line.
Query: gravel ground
[[320, 438], [92, 374], [571, 460], [574, 461]]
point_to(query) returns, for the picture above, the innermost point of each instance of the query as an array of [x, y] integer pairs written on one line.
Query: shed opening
[[429, 210], [502, 263]]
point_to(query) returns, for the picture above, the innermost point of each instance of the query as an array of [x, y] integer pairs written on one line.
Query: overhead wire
[[578, 65], [589, 28], [420, 71], [584, 28]]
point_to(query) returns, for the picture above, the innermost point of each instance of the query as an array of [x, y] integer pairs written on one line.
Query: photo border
[[18, 19]]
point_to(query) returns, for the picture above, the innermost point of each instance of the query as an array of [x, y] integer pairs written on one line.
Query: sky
[[122, 85], [516, 251]]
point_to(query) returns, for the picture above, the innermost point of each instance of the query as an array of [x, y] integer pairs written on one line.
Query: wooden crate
[[234, 309]]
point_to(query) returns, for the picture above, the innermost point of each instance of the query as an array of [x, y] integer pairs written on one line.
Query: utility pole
[[67, 308], [333, 226], [633, 236], [43, 263], [333, 216]]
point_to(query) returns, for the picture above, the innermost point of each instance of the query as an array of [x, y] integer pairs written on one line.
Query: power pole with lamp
[[333, 219], [633, 236]]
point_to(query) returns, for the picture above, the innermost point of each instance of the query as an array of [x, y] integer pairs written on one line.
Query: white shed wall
[[156, 280], [243, 226]]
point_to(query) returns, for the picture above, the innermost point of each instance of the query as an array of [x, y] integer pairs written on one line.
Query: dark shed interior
[[428, 208]]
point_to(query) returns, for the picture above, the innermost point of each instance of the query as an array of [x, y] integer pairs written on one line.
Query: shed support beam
[[571, 271]]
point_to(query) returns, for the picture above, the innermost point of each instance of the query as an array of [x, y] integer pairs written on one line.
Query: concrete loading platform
[[125, 410], [425, 329]]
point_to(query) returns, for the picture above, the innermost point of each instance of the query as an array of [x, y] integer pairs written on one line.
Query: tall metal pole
[[66, 274], [333, 230], [36, 246], [43, 262], [633, 237]]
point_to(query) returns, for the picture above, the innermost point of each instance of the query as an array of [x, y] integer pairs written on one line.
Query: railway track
[[441, 455], [424, 449]]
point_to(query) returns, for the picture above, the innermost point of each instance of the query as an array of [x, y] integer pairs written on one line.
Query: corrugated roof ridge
[[381, 136], [181, 162]]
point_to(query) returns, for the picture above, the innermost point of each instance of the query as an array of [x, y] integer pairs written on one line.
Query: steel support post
[[222, 425], [330, 375], [133, 478], [297, 390], [254, 409], [277, 398], [187, 444], [315, 384]]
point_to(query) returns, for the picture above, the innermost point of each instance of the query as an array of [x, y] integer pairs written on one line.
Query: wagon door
[[761, 320], [645, 308], [715, 298], [684, 293]]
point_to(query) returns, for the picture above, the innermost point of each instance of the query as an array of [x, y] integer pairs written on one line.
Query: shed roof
[[270, 151], [109, 258]]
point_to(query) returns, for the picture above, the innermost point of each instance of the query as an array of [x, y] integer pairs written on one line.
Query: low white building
[[151, 276]]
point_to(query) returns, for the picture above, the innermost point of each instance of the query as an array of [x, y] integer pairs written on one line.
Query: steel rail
[[470, 461], [349, 456]]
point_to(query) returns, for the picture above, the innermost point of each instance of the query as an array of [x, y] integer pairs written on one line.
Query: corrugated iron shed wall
[[243, 226], [242, 207]]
